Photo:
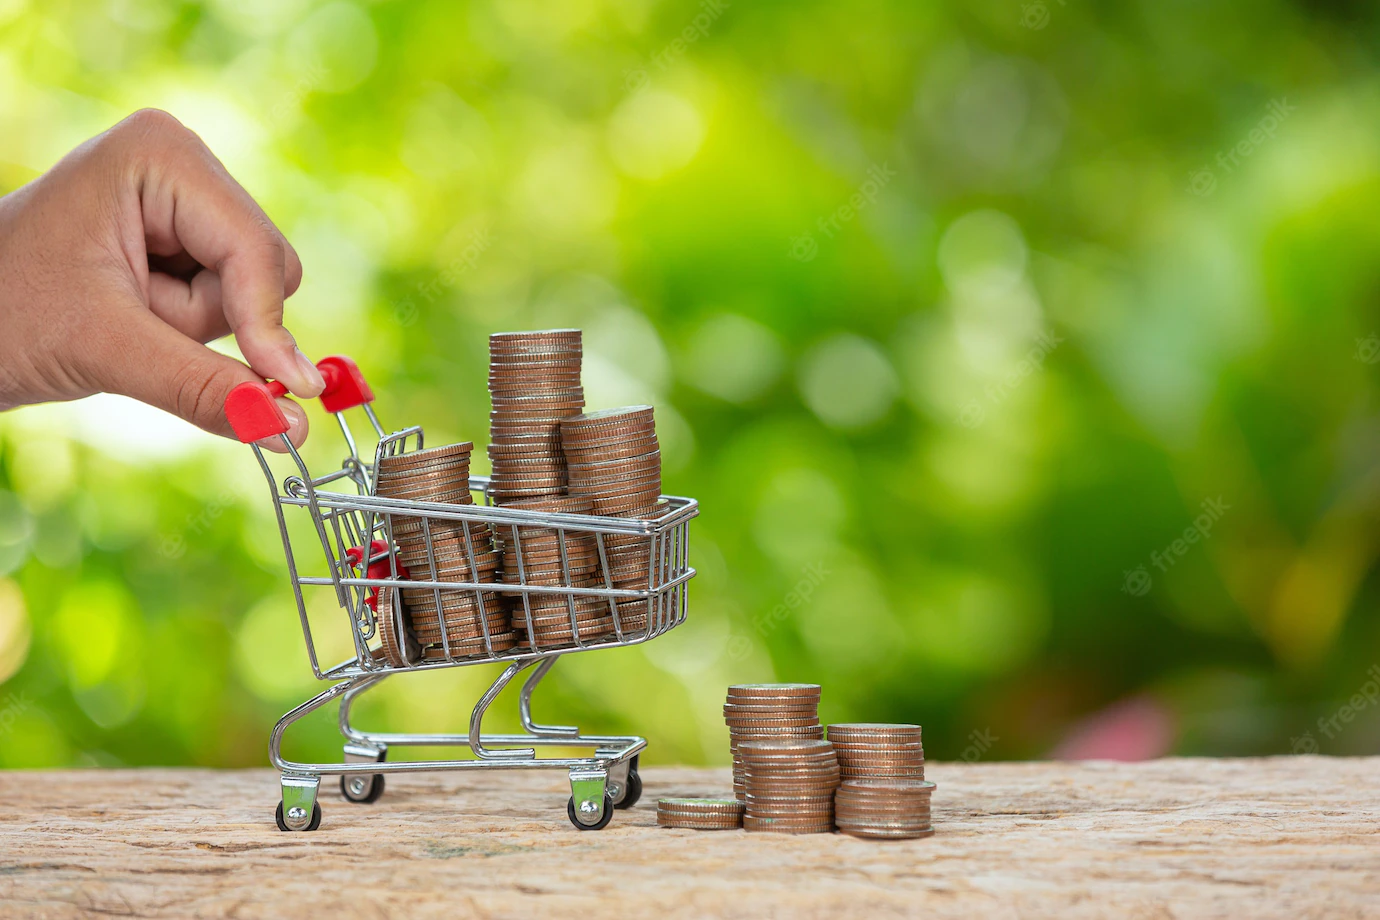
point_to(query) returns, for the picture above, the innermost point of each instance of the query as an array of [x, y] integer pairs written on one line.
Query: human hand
[[124, 259]]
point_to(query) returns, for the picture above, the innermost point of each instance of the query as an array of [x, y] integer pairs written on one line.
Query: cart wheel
[[315, 818], [603, 822], [632, 791], [361, 789]]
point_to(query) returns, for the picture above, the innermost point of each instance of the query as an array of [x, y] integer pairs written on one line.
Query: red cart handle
[[254, 415]]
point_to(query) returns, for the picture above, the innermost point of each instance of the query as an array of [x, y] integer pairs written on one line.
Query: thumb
[[155, 364]]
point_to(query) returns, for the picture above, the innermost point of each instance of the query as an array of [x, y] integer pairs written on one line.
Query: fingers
[[187, 195], [193, 309], [153, 362]]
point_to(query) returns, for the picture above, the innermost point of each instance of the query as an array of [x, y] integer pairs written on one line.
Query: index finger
[[187, 195]]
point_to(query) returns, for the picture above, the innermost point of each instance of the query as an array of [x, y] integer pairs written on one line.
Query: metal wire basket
[[356, 532]]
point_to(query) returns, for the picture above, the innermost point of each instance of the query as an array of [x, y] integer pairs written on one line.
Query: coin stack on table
[[878, 750], [789, 786], [534, 382], [884, 808], [769, 712], [700, 814], [614, 460], [533, 556], [459, 551]]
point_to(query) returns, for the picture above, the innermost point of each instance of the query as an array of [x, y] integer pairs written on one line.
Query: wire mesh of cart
[[354, 530]]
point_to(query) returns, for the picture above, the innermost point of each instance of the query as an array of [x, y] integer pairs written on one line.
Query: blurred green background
[[956, 316]]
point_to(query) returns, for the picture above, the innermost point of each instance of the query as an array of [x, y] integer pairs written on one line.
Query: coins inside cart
[[534, 383], [398, 646]]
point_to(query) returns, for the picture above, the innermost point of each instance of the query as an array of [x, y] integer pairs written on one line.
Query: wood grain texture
[[1294, 837]]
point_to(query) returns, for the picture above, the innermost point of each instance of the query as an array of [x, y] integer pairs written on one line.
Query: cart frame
[[355, 533]]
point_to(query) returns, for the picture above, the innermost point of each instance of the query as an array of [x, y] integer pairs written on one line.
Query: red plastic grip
[[254, 415], [380, 569]]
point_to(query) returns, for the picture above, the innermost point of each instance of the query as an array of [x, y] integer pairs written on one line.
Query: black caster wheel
[[633, 791], [358, 789], [603, 822], [315, 817]]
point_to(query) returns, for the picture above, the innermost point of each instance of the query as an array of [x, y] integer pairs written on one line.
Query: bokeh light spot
[[848, 382]]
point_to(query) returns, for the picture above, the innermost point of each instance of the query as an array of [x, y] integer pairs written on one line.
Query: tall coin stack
[[878, 750], [533, 556], [884, 808], [769, 712], [534, 383], [614, 460], [460, 551], [790, 786]]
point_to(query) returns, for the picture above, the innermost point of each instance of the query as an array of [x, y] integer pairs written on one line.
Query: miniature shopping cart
[[354, 530]]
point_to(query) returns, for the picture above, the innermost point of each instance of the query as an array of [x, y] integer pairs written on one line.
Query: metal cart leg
[[590, 808], [525, 705], [360, 748], [298, 810]]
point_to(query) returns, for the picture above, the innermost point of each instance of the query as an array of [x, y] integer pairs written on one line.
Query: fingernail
[[310, 375]]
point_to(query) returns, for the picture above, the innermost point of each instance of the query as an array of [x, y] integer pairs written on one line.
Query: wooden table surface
[[1294, 837]]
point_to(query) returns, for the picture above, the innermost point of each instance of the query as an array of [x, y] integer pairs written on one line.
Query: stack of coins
[[790, 786], [769, 712], [614, 460], [532, 555], [700, 814], [878, 750], [885, 808], [534, 383], [459, 551]]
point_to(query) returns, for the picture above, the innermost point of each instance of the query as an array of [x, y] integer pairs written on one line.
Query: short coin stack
[[459, 551], [884, 808], [700, 814], [769, 712], [532, 555], [878, 750], [790, 786], [534, 382], [614, 460]]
